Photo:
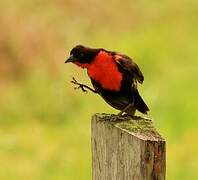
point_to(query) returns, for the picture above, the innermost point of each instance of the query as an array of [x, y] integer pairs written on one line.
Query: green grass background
[[45, 124]]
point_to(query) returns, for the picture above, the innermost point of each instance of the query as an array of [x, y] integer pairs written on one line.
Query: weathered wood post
[[126, 149]]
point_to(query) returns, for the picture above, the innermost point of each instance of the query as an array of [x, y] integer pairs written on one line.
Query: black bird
[[114, 77]]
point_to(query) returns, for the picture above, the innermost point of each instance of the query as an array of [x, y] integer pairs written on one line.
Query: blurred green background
[[45, 124]]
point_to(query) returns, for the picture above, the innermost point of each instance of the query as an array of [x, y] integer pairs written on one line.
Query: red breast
[[104, 70]]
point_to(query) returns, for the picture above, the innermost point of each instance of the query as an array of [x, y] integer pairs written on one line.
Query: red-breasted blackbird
[[114, 77]]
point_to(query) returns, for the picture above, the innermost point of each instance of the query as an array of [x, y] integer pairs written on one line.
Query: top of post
[[137, 126]]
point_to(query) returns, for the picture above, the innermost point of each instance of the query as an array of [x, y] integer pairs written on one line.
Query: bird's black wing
[[128, 65], [133, 71]]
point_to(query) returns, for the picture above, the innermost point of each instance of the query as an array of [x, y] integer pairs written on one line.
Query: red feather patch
[[104, 70]]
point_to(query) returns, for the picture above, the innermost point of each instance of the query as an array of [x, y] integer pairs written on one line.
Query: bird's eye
[[81, 55]]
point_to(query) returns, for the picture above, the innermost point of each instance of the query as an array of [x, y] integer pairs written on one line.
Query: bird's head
[[82, 56]]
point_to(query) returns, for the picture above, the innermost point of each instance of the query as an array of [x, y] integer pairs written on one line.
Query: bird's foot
[[81, 86], [123, 111]]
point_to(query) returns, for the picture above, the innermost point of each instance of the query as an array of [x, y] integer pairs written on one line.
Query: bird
[[114, 76]]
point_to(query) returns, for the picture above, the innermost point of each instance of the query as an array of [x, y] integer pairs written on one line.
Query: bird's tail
[[139, 103]]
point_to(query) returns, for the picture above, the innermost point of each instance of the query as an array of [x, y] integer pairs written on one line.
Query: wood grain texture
[[126, 149]]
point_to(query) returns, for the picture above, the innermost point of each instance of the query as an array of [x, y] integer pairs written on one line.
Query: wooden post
[[126, 149]]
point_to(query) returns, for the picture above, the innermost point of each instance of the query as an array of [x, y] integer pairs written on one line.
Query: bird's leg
[[130, 105], [81, 86], [124, 110]]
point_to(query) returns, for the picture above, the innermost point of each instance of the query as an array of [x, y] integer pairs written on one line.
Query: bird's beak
[[70, 59]]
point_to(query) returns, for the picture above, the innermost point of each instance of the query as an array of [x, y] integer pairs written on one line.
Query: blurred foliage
[[45, 124]]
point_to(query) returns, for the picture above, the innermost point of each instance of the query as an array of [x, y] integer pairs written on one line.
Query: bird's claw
[[79, 85]]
